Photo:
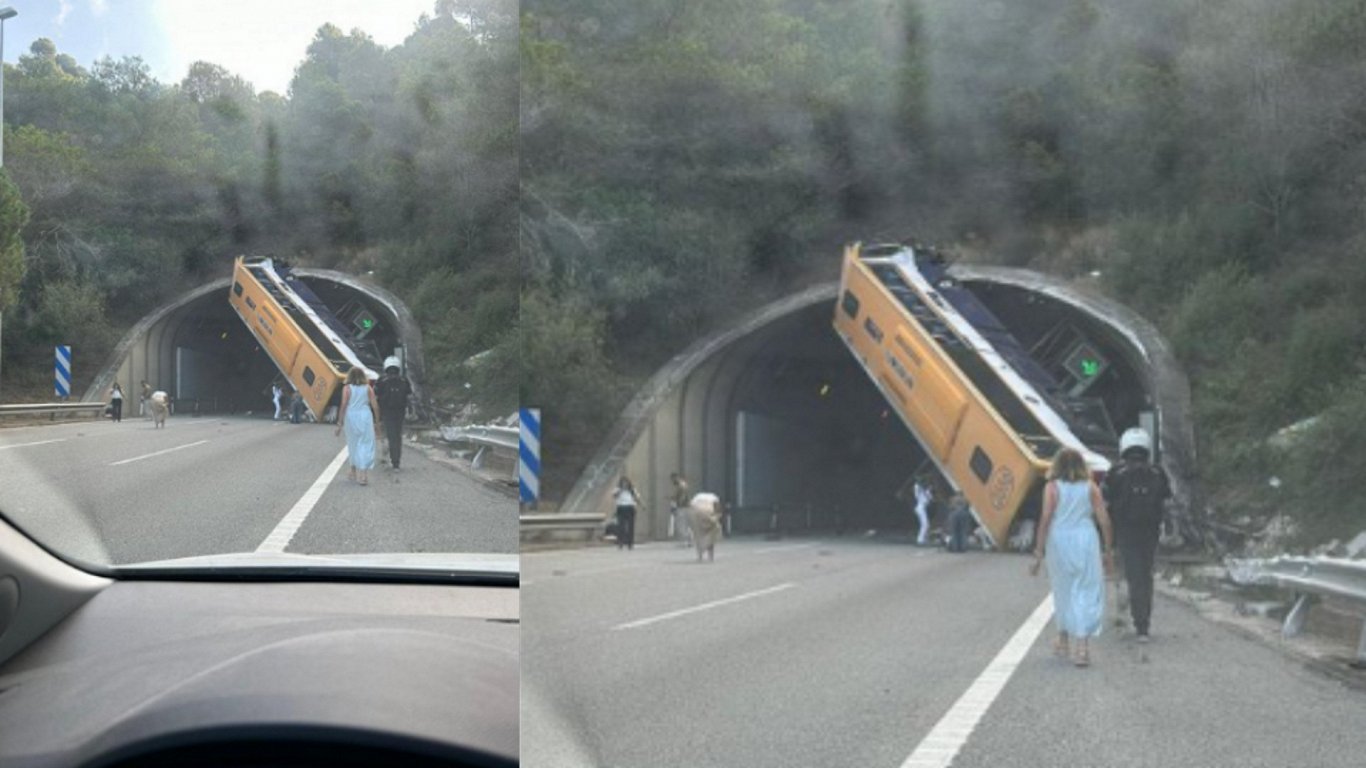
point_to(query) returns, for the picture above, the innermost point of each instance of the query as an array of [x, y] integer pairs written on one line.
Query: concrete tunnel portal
[[197, 349], [776, 416]]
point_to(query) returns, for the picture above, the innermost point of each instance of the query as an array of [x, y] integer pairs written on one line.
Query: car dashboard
[[295, 673]]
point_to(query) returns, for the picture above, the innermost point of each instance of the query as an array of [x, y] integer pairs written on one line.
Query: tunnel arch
[[148, 350], [687, 416]]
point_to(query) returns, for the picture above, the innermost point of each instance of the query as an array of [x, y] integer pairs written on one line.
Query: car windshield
[[849, 315], [257, 283]]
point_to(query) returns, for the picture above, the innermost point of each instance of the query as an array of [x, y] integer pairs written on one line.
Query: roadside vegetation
[[683, 163], [399, 163]]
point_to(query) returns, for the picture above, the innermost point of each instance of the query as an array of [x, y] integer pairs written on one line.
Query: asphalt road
[[126, 493], [850, 652]]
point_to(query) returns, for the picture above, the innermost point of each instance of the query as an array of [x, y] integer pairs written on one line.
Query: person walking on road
[[392, 391], [923, 497], [678, 508], [1072, 508], [359, 417], [705, 512], [960, 523], [275, 394], [627, 501], [116, 403], [143, 398], [1137, 493]]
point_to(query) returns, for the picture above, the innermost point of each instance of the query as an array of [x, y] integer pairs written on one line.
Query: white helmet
[[1136, 437], [391, 362]]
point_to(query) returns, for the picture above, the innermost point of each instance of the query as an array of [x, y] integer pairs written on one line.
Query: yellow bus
[[988, 430], [311, 355]]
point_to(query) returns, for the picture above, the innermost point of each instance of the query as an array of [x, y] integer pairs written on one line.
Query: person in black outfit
[[1136, 493], [392, 391], [296, 408], [627, 502], [116, 403], [960, 523]]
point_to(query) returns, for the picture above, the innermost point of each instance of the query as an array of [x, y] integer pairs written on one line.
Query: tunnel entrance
[[198, 350], [777, 417], [815, 445]]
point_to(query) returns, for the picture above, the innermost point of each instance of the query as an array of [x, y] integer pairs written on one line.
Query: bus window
[[308, 375], [850, 304], [900, 370], [872, 329], [981, 464], [237, 288]]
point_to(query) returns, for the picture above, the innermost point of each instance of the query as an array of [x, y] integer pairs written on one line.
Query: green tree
[[14, 215]]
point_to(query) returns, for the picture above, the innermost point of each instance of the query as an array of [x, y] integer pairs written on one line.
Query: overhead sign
[[364, 322], [1085, 363]]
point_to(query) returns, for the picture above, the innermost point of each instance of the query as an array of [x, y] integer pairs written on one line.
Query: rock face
[[553, 245], [1356, 548]]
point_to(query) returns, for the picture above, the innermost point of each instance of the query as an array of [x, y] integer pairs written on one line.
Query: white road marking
[[294, 518], [703, 607], [158, 453], [25, 445], [941, 745]]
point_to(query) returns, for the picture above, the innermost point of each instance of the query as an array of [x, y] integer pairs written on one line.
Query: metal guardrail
[[496, 437], [51, 408], [552, 521], [1310, 579]]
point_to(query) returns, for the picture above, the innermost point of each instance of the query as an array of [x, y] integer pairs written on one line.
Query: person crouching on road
[[627, 501], [1072, 508], [391, 392], [161, 407], [358, 416], [1137, 492], [705, 513]]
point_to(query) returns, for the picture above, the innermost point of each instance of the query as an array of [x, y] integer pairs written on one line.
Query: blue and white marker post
[[62, 372], [529, 456]]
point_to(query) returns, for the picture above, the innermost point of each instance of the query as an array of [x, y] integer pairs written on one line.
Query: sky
[[260, 40]]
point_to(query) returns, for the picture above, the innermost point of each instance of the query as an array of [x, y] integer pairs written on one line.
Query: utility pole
[[5, 13]]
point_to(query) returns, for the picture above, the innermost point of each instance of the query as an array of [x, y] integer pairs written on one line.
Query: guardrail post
[[1294, 621], [478, 461], [1360, 661]]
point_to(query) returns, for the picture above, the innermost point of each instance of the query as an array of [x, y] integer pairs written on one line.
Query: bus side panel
[[993, 473], [931, 401], [986, 461], [939, 405], [284, 342]]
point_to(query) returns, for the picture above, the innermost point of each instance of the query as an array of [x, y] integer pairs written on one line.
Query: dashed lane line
[[703, 607], [158, 453], [25, 445]]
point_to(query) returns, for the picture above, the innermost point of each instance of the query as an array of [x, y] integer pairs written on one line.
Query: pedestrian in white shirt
[[923, 495]]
